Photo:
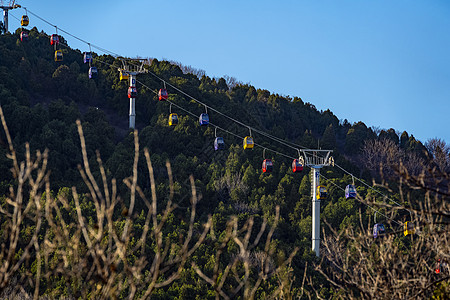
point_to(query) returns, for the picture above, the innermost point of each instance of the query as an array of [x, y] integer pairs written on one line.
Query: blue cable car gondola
[[219, 143], [132, 92], [297, 166], [24, 36], [173, 119], [350, 191], [87, 58], [58, 55], [24, 21], [54, 39], [267, 166], [378, 230], [163, 95], [93, 72], [204, 119]]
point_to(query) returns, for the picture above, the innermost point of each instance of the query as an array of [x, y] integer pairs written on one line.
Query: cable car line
[[174, 87], [214, 125], [267, 135], [380, 193], [224, 115], [329, 181], [68, 33]]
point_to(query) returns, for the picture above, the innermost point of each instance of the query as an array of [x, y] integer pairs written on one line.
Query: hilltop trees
[[240, 226]]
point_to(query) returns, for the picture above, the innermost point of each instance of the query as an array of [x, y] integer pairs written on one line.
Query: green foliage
[[42, 99]]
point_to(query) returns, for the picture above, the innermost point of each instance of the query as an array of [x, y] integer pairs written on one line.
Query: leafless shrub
[[440, 152], [231, 182], [383, 156], [396, 266], [243, 207], [231, 81], [189, 69], [99, 253], [22, 205], [232, 278]]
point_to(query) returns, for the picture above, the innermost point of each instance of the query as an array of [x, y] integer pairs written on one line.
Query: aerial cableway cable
[[267, 135]]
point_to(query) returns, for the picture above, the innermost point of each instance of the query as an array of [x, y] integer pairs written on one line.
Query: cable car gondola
[[93, 72], [163, 95], [54, 39], [378, 230], [408, 228], [297, 166], [248, 142], [267, 166], [132, 92], [350, 191], [219, 143], [58, 55], [321, 192], [124, 75], [24, 36], [204, 119], [24, 21], [87, 58], [173, 119]]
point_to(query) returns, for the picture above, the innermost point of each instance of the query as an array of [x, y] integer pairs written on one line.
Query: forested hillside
[[41, 101]]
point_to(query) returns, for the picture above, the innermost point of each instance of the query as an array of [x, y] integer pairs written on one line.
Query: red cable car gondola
[[24, 36], [132, 92], [54, 39], [163, 95], [267, 166], [297, 166]]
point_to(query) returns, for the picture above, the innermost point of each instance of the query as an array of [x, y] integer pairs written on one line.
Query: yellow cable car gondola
[[321, 192], [124, 75], [408, 228], [173, 119], [58, 55], [248, 142], [24, 21]]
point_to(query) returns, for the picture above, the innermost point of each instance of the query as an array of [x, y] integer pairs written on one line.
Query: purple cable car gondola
[[93, 72], [219, 143], [87, 58], [350, 191], [204, 119], [378, 230]]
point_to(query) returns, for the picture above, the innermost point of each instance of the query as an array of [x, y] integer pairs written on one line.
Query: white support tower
[[133, 67], [6, 7], [316, 159], [132, 113]]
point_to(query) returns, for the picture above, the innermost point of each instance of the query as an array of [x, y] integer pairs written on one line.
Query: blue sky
[[383, 62]]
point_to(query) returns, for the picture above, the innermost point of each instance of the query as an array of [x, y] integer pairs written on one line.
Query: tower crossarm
[[317, 157]]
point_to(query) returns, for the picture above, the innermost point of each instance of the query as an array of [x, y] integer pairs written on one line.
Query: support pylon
[[6, 8], [316, 159], [133, 67]]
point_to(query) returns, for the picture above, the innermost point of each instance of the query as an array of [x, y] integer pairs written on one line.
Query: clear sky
[[383, 62]]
